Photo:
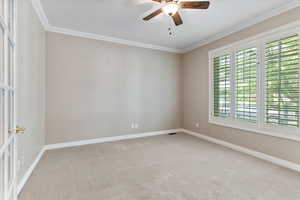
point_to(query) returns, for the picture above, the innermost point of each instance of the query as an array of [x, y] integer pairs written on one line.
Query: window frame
[[257, 41]]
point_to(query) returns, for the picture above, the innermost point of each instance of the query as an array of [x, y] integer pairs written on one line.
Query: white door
[[7, 101]]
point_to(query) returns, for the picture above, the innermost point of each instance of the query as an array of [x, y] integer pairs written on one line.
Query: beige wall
[[195, 96], [30, 84], [97, 89]]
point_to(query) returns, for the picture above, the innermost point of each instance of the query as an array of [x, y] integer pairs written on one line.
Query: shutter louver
[[245, 84], [282, 82], [222, 86]]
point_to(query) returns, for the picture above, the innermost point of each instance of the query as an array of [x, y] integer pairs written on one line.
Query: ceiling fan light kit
[[172, 7]]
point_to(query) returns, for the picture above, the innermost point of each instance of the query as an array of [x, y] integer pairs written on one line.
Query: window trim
[[257, 41]]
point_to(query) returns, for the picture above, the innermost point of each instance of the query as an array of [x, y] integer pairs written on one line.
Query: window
[[245, 84], [222, 86], [282, 81], [254, 84]]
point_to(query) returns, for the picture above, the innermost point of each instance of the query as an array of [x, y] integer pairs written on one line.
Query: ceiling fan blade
[[160, 1], [157, 12], [177, 19], [195, 4]]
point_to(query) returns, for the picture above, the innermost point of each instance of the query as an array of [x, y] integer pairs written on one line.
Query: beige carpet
[[179, 167]]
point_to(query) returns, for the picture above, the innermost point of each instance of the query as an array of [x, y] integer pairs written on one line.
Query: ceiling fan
[[171, 8]]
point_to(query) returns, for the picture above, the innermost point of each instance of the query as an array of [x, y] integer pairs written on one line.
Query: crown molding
[[239, 27], [110, 39], [48, 27], [40, 13]]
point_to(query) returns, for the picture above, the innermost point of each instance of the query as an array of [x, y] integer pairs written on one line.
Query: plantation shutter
[[282, 81], [245, 84], [221, 86]]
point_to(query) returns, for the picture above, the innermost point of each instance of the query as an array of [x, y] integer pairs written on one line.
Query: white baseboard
[[85, 142], [109, 139], [274, 160], [29, 171]]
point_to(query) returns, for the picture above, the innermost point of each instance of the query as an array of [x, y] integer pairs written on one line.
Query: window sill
[[269, 131]]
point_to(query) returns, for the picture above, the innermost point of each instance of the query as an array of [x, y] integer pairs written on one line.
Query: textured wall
[[30, 84], [97, 89], [196, 89]]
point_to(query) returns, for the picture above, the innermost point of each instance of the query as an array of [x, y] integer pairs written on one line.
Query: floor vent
[[172, 133]]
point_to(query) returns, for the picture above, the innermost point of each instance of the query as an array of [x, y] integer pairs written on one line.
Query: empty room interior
[[149, 100]]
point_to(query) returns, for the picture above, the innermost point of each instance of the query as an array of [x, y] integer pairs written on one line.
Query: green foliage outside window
[[282, 82]]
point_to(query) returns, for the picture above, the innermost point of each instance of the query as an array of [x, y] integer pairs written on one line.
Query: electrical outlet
[[197, 125], [134, 125]]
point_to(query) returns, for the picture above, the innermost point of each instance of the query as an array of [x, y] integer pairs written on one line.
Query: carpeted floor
[[178, 167]]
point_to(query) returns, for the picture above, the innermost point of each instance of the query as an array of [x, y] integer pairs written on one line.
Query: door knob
[[20, 130]]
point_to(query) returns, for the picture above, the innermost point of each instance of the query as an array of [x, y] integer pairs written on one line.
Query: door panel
[[1, 54], [2, 8], [2, 177], [7, 102], [1, 118], [10, 114], [10, 163], [10, 65]]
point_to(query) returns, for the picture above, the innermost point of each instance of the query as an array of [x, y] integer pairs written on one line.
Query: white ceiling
[[123, 19]]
